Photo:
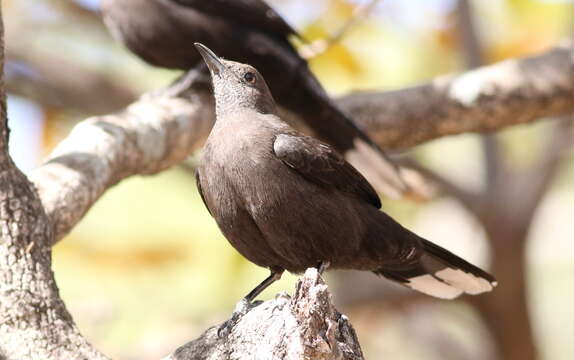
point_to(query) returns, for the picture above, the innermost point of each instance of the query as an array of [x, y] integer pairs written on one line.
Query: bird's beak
[[213, 62]]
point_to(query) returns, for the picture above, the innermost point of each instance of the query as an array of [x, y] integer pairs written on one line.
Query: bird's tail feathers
[[441, 274]]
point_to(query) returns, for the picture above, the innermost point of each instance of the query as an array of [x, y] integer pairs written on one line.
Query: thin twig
[[467, 198], [537, 179], [474, 57], [318, 47]]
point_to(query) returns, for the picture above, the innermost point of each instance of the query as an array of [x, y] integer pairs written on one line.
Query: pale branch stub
[[305, 326]]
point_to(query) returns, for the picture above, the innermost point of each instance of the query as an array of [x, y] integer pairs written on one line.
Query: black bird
[[287, 201], [249, 31]]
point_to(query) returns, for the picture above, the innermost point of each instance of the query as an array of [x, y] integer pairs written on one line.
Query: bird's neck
[[226, 105], [246, 123], [233, 136]]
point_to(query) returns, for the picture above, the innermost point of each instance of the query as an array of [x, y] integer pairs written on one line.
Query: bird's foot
[[323, 266], [241, 309]]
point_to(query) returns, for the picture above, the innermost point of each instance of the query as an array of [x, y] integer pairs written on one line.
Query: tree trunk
[[506, 310]]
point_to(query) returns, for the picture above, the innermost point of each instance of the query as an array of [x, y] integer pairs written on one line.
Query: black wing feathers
[[319, 163], [252, 13], [450, 259]]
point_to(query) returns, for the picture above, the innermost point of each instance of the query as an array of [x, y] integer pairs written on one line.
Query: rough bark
[[3, 116], [34, 323], [306, 326]]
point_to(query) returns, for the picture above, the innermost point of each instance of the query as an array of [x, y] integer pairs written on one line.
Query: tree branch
[[319, 47], [34, 323], [151, 135], [534, 182], [306, 326], [486, 99], [40, 78], [3, 111], [474, 57], [467, 198], [497, 189]]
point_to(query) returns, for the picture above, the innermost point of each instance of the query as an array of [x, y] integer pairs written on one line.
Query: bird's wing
[[198, 182], [252, 13], [320, 163]]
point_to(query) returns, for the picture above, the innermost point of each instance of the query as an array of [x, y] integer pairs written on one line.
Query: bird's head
[[236, 86]]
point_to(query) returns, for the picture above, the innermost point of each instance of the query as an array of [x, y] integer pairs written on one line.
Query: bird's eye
[[249, 77]]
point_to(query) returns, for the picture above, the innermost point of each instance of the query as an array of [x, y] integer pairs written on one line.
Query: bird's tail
[[440, 273]]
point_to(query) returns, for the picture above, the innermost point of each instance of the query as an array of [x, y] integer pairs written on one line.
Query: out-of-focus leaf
[[447, 36], [522, 44], [56, 127], [133, 258], [544, 13]]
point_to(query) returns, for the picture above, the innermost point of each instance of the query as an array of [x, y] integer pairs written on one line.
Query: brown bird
[[287, 201], [161, 33]]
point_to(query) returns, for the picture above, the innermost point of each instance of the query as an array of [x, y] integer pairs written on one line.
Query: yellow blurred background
[[147, 269]]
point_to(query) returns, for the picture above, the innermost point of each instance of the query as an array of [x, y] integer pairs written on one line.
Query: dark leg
[[245, 304], [274, 276], [323, 266]]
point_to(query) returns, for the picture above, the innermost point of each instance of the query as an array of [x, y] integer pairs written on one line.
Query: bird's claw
[[242, 308], [225, 329]]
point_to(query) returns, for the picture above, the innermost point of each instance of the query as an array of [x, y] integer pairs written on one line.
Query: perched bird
[[287, 201], [249, 31]]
